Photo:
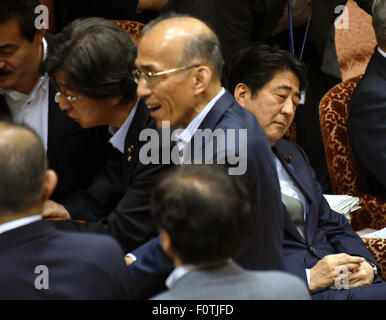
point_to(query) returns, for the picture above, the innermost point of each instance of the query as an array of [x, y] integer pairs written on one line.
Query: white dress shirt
[[186, 135], [382, 52], [18, 223], [119, 136], [31, 109]]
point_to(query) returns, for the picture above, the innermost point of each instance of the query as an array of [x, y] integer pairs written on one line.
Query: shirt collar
[[118, 139], [180, 271], [187, 134], [383, 53], [41, 83], [18, 223]]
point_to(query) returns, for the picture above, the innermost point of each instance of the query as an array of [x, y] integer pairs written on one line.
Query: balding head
[[180, 63], [195, 41], [23, 168]]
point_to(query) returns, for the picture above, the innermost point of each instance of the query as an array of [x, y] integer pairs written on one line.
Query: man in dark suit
[[39, 262], [91, 61], [366, 125], [239, 24], [27, 97], [179, 69], [319, 244], [203, 214]]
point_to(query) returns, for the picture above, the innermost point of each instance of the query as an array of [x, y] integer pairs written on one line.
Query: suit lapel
[[140, 121], [210, 122]]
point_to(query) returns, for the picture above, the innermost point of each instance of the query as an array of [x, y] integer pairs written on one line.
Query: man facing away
[[203, 215], [37, 261]]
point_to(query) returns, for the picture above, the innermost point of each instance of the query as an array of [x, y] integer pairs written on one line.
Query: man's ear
[[50, 182], [202, 78], [166, 243], [242, 93]]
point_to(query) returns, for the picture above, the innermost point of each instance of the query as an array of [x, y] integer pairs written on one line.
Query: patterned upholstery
[[134, 28], [354, 44], [343, 168], [377, 247]]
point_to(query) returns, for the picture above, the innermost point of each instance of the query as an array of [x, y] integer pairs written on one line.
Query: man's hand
[[53, 210], [363, 276], [324, 273]]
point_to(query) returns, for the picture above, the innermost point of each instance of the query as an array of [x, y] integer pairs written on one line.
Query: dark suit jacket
[[76, 154], [118, 200], [366, 124], [80, 266], [326, 231], [262, 247]]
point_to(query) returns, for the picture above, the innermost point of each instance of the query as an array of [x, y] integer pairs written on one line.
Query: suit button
[[131, 148], [129, 158], [312, 249]]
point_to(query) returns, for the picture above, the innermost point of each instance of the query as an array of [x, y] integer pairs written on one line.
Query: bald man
[[42, 262], [179, 70]]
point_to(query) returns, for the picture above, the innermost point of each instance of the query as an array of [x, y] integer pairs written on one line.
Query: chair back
[[134, 28], [345, 174]]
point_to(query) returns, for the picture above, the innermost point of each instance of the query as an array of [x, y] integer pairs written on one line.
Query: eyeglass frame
[[138, 74], [69, 99]]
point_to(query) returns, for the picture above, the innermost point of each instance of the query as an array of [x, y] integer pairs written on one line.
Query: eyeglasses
[[70, 99], [148, 77]]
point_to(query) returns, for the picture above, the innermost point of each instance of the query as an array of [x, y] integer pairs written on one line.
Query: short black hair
[[23, 164], [257, 65], [24, 12], [205, 212], [97, 58]]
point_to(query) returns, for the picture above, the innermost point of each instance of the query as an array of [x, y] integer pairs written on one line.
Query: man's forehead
[[157, 53]]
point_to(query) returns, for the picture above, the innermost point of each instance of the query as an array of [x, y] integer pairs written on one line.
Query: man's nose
[[143, 89], [288, 107], [64, 104]]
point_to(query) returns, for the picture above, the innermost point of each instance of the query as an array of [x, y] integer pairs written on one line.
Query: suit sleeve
[[339, 233], [129, 220], [366, 127], [149, 272]]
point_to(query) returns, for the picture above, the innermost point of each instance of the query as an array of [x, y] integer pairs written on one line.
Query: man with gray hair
[[179, 70], [38, 261], [366, 124]]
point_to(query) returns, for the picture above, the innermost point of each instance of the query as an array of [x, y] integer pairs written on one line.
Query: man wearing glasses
[[179, 70], [26, 97], [91, 62]]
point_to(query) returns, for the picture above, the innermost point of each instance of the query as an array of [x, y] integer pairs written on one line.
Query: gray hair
[[23, 165], [379, 20], [204, 47]]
